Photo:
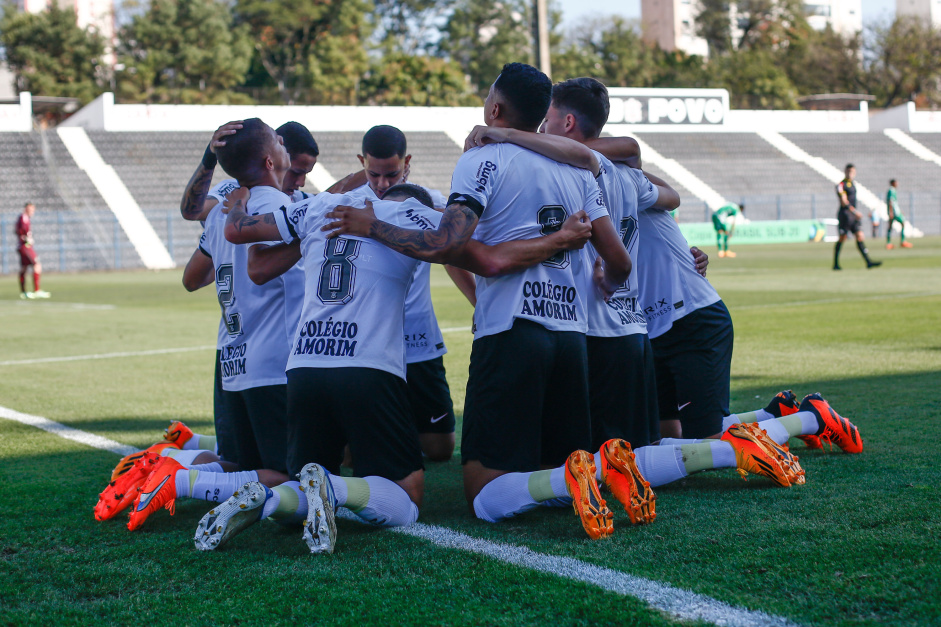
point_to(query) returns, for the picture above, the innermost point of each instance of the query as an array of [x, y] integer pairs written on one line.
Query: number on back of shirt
[[225, 287], [628, 234], [338, 274], [550, 218]]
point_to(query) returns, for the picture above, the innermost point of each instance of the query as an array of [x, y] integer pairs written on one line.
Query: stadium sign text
[[668, 106]]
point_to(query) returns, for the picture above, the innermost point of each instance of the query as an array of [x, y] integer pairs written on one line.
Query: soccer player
[[850, 218], [723, 221], [346, 375], [529, 325], [199, 200], [895, 215], [28, 257]]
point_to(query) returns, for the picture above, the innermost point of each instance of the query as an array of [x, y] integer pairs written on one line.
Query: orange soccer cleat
[[127, 462], [755, 453], [904, 245], [834, 428], [586, 499], [621, 475], [121, 492], [158, 491], [783, 404], [178, 434], [811, 441]]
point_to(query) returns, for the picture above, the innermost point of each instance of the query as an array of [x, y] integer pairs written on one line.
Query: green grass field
[[858, 544]]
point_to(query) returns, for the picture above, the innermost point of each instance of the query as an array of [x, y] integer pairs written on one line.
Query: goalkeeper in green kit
[[723, 220], [895, 215]]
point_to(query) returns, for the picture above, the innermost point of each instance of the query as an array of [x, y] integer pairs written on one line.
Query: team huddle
[[601, 354]]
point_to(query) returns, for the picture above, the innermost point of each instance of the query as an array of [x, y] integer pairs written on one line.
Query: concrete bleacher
[[24, 175]]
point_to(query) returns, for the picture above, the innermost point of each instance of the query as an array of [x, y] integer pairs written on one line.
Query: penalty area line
[[676, 602], [159, 351]]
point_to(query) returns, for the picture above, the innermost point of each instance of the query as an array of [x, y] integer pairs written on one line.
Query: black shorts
[[847, 222], [693, 362], [527, 399], [258, 417], [430, 396], [366, 408], [622, 388], [225, 439]]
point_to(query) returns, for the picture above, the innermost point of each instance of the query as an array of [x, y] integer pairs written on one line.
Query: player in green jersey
[[723, 220], [895, 215]]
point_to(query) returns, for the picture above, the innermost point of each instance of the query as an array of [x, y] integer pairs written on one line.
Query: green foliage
[[311, 52], [182, 51], [904, 62], [483, 35], [408, 26], [50, 55], [754, 80], [403, 79]]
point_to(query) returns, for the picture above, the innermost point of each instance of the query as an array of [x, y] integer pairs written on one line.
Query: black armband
[[471, 203], [209, 159]]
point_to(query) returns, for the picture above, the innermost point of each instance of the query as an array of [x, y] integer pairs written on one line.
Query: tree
[[754, 79], [401, 79], [903, 62], [50, 55], [311, 52], [409, 26], [713, 23], [483, 35], [185, 51], [820, 62]]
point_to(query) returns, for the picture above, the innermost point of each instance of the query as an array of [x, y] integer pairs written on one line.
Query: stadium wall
[[17, 117]]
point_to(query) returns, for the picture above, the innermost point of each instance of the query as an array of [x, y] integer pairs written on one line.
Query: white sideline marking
[[76, 435], [681, 604], [46, 303], [827, 301], [159, 351], [455, 329]]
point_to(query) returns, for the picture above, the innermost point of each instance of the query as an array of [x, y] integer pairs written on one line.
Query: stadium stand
[[743, 166]]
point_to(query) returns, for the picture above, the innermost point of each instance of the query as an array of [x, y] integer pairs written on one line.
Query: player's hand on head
[[482, 135], [218, 138], [237, 197], [575, 231], [346, 220], [700, 260]]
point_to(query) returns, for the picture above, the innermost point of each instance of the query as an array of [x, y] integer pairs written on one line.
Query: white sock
[[211, 486], [660, 464], [185, 457], [517, 492], [775, 430], [675, 441], [210, 467], [286, 504], [759, 415], [376, 500], [204, 442]]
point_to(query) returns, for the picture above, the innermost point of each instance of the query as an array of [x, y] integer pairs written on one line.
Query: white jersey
[[523, 195], [223, 188], [221, 333], [423, 338], [625, 190], [670, 287], [259, 320], [354, 302]]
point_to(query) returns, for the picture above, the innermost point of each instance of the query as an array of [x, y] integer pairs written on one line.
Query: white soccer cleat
[[320, 529], [228, 519], [41, 294]]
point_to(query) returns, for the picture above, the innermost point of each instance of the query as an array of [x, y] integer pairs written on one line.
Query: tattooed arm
[[241, 228], [442, 245], [196, 204]]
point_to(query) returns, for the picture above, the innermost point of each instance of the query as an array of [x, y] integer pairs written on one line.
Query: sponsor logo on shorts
[[684, 405], [439, 418]]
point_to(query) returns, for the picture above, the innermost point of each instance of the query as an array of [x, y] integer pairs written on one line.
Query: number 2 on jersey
[[338, 274], [225, 287]]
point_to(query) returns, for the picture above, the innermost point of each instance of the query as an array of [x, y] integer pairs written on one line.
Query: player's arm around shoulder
[[241, 228], [557, 148]]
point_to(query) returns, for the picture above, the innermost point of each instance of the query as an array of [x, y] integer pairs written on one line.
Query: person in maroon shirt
[[28, 257]]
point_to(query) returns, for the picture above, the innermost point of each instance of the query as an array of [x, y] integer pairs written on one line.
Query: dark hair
[[410, 190], [741, 207], [243, 150], [383, 142], [297, 139], [848, 166], [528, 93], [892, 181], [587, 100]]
